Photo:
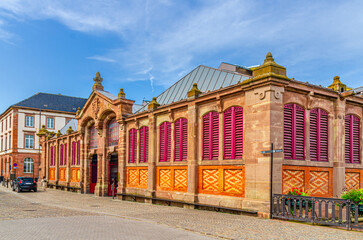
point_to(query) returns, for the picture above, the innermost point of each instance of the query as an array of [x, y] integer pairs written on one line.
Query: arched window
[[233, 133], [210, 136], [61, 155], [294, 132], [28, 166], [93, 141], [352, 139], [113, 133], [144, 144], [318, 135], [165, 142], [132, 145], [73, 153], [180, 139]]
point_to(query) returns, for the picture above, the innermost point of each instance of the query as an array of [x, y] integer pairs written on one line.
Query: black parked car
[[24, 183]]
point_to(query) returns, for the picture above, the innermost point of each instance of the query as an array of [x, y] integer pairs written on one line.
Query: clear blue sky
[[56, 46]]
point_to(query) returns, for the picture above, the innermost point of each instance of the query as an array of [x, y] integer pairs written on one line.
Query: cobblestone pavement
[[212, 224]]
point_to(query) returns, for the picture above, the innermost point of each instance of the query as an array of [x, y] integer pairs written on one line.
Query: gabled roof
[[47, 101], [135, 107], [207, 78]]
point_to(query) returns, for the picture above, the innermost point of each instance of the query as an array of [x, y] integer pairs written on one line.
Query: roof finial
[[121, 94], [194, 92], [153, 104], [78, 111], [98, 82], [70, 130], [59, 133], [269, 58]]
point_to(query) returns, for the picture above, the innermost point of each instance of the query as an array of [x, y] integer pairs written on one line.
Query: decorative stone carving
[[96, 106]]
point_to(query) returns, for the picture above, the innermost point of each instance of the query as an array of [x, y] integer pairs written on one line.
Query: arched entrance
[[93, 174], [113, 173]]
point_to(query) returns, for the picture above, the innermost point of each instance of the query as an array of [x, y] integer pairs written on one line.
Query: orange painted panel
[[52, 174], [222, 180], [315, 180], [353, 179], [62, 174], [137, 177], [75, 174], [172, 178]]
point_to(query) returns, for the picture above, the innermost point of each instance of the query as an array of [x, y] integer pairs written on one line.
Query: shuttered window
[[165, 142], [112, 132], [65, 154], [318, 135], [144, 144], [180, 139], [233, 133], [73, 153], [61, 155], [352, 139], [51, 156], [132, 145], [210, 136], [78, 152], [294, 132]]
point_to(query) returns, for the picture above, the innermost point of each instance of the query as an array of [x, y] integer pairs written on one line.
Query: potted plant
[[355, 196]]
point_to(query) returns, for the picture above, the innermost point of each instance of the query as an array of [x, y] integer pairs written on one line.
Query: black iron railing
[[318, 210]]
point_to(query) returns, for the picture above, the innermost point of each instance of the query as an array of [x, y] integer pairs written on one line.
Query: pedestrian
[[44, 183]]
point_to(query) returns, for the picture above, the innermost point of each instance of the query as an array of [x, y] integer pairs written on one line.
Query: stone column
[[339, 146], [122, 157], [152, 156], [69, 160], [57, 161], [102, 186], [85, 161], [192, 152]]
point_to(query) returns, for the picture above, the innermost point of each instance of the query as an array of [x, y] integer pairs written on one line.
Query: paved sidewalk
[[207, 223]]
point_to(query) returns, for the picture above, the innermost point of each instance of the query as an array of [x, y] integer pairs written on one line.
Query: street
[[63, 215]]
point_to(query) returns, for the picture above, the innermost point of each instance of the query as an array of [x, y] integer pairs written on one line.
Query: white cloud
[[163, 38]]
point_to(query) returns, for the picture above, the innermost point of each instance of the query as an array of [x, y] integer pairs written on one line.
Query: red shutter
[[184, 139], [324, 135], [300, 133], [132, 145], [355, 139], [142, 144], [51, 156], [78, 152], [210, 136], [61, 155], [177, 142], [165, 142], [180, 139], [228, 133], [73, 153], [215, 135], [347, 138], [162, 143], [65, 154], [146, 144], [206, 136], [314, 135], [288, 131], [238, 132], [55, 154]]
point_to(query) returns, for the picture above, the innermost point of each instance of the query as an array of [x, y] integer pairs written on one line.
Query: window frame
[[26, 165], [51, 118], [25, 140], [26, 121]]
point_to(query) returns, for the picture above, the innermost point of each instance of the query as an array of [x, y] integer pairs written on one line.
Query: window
[[9, 141], [78, 152], [132, 145], [93, 142], [144, 144], [50, 123], [61, 155], [10, 121], [318, 135], [352, 139], [233, 133], [65, 154], [294, 132], [210, 136], [73, 153], [113, 133], [53, 152], [29, 121], [29, 141], [165, 142], [28, 166], [6, 142], [180, 139]]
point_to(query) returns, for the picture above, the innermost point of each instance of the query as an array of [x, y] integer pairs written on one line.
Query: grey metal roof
[[207, 78], [73, 123], [136, 107], [107, 94]]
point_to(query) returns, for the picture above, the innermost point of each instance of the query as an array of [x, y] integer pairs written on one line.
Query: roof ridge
[[56, 95]]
